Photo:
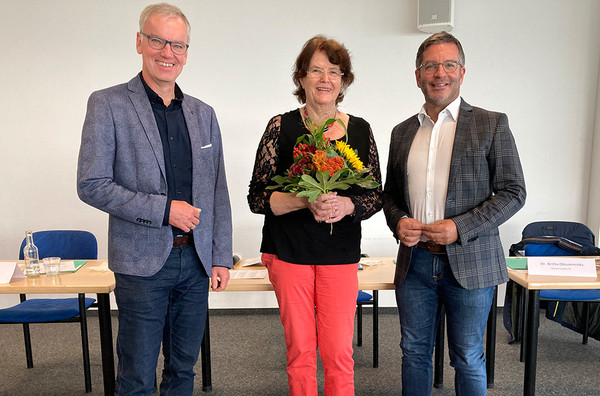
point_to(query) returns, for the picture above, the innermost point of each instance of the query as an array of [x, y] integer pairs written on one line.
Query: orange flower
[[324, 164]]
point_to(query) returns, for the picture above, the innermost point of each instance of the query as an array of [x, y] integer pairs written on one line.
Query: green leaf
[[336, 175], [309, 181], [280, 179], [322, 177], [338, 186], [311, 194], [343, 126], [301, 138]]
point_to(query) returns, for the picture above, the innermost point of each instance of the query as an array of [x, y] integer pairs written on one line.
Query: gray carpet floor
[[248, 358]]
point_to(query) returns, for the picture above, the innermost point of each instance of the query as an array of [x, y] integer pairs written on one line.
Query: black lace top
[[296, 237]]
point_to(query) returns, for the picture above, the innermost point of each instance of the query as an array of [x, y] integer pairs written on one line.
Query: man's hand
[[442, 232], [183, 216], [220, 278], [408, 231]]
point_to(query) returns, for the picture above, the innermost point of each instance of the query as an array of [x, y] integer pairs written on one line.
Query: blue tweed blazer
[[486, 187], [121, 171]]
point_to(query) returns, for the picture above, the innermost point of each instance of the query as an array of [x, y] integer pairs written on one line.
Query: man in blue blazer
[[453, 177], [152, 158]]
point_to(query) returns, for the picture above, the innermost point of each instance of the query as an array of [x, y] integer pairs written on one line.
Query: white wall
[[538, 61]]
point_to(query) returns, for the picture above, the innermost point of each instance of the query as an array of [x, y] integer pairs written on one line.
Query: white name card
[[562, 266]]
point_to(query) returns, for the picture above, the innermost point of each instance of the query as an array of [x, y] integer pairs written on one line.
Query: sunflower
[[349, 154]]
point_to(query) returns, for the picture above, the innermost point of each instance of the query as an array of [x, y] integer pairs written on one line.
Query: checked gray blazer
[[486, 187], [121, 171]]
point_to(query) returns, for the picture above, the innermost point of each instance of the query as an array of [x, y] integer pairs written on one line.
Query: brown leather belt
[[183, 240], [431, 247]]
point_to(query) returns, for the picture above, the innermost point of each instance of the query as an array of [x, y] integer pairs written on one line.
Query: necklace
[[309, 122]]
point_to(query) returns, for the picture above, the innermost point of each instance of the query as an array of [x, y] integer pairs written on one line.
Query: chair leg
[[27, 338], [359, 325], [519, 308], [438, 365], [85, 344], [28, 352], [586, 327]]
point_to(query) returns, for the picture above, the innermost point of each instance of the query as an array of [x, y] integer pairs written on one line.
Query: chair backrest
[[575, 232], [66, 244], [556, 238]]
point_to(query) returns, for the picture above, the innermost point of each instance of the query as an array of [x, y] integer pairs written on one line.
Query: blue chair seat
[[363, 297], [570, 295], [41, 310]]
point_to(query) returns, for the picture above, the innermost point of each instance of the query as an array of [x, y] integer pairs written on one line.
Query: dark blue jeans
[[430, 281], [169, 307]]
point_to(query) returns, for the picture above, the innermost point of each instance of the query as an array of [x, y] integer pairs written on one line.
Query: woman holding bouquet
[[311, 249]]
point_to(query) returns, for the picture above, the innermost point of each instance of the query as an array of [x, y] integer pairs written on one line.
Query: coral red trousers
[[330, 291]]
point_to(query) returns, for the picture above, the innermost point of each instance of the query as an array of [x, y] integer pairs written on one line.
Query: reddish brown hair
[[337, 54]]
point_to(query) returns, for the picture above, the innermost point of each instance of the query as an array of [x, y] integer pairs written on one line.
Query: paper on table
[[368, 262], [102, 267], [248, 274], [9, 271], [252, 261], [71, 265]]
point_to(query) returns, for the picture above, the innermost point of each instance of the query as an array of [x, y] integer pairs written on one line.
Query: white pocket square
[[207, 146]]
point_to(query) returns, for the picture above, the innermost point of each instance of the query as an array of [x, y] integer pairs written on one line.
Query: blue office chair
[[561, 238], [365, 298], [67, 245]]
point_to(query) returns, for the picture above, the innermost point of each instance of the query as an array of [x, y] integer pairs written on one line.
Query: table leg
[[490, 343], [531, 337], [525, 323], [205, 356], [375, 328], [106, 343]]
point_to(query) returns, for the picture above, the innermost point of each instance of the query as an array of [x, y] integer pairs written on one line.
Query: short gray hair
[[167, 10], [439, 38]]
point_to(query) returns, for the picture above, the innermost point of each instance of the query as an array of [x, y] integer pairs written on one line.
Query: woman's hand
[[330, 207], [282, 203]]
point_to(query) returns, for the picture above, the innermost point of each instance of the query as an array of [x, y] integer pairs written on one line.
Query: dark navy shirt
[[177, 148]]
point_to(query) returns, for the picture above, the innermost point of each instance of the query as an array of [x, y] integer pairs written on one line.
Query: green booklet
[[517, 263]]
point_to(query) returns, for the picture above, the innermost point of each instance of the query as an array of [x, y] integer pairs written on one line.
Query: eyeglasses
[[450, 66], [158, 43], [317, 72]]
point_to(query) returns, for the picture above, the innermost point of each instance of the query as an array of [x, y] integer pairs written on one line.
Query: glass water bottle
[[31, 255]]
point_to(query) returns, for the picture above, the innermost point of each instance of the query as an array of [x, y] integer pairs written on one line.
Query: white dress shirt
[[429, 163]]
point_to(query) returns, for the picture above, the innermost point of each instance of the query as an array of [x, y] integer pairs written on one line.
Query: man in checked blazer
[[453, 177], [152, 158]]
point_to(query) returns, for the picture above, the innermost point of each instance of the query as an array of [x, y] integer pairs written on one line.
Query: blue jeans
[[169, 307], [430, 281]]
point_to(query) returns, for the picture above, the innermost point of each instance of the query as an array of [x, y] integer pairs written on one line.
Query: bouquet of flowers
[[321, 166]]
